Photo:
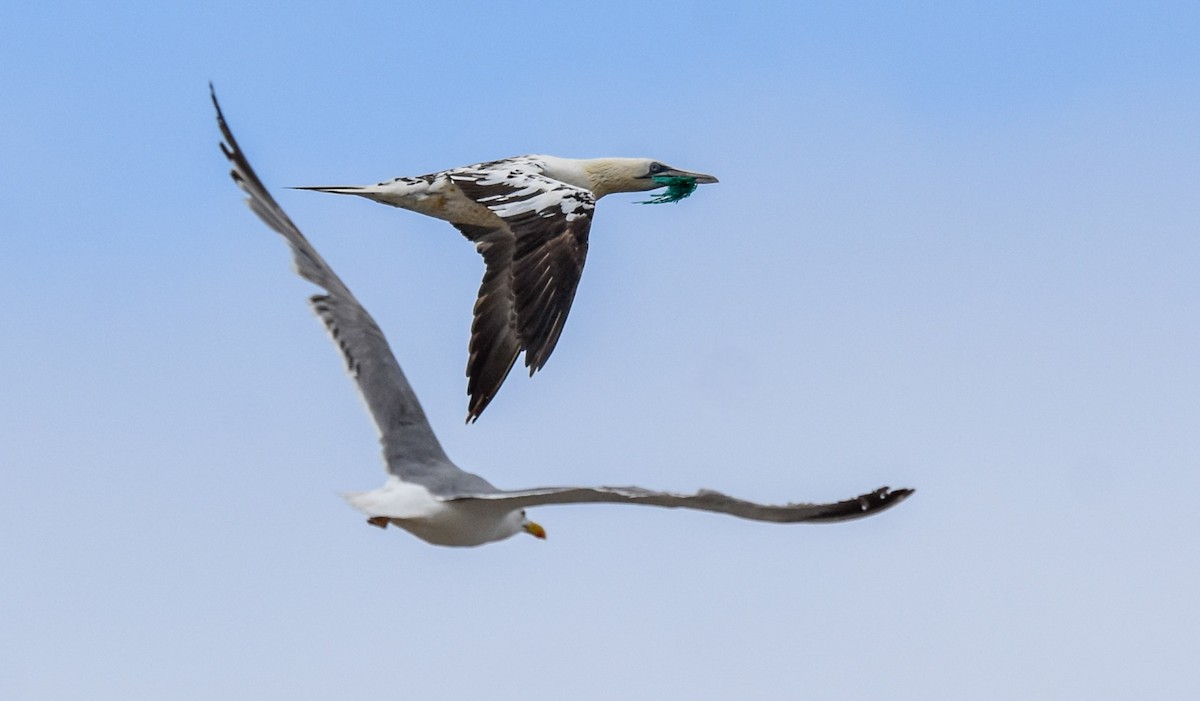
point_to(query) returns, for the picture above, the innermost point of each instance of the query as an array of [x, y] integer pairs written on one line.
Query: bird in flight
[[529, 218], [425, 493]]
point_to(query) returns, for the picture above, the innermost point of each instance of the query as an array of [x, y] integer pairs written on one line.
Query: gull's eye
[[656, 168]]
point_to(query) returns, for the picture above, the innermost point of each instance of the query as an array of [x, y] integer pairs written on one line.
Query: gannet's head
[[530, 527], [609, 175]]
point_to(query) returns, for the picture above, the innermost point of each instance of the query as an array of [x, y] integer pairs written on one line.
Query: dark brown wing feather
[[547, 265], [494, 344], [549, 223]]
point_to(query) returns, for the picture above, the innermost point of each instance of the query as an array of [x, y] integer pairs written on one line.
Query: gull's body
[[427, 494], [414, 508], [529, 217]]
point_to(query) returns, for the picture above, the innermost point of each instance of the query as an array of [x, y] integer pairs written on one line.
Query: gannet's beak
[[700, 178], [534, 530]]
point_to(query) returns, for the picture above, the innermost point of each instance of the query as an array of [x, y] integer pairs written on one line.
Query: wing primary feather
[[494, 344]]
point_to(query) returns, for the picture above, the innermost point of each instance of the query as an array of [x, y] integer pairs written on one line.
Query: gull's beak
[[535, 530], [701, 178]]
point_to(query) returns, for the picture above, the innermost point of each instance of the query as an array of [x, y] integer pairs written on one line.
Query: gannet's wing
[[704, 500], [410, 448], [495, 343], [549, 221]]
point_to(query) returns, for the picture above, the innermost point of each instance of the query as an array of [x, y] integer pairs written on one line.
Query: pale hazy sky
[[954, 247]]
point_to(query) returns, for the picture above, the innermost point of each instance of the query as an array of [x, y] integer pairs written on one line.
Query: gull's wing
[[410, 448], [549, 221], [704, 500]]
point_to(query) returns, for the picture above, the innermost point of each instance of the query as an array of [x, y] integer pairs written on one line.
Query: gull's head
[[530, 527], [609, 175]]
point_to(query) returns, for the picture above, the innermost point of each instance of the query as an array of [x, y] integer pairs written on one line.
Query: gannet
[[529, 218], [425, 493]]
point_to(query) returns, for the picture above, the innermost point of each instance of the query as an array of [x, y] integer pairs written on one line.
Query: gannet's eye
[[656, 168]]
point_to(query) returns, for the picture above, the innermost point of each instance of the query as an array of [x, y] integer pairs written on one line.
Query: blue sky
[[953, 247]]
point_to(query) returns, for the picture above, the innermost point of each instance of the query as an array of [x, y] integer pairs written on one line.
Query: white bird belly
[[440, 199], [416, 510]]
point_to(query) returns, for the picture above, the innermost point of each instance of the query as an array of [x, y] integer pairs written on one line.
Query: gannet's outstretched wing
[[536, 261]]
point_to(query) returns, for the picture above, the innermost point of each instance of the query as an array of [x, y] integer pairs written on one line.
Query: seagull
[[425, 493], [529, 218]]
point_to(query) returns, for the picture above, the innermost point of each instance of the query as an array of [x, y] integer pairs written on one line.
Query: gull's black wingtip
[[867, 504], [883, 498], [212, 92]]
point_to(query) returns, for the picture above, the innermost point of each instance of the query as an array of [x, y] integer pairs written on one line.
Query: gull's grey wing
[[495, 344], [704, 500], [549, 221], [410, 448]]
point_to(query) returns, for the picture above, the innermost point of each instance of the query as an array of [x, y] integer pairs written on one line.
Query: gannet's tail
[[384, 192], [362, 190], [401, 192]]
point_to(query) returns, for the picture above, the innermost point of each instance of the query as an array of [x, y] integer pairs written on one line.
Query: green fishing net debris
[[678, 187]]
